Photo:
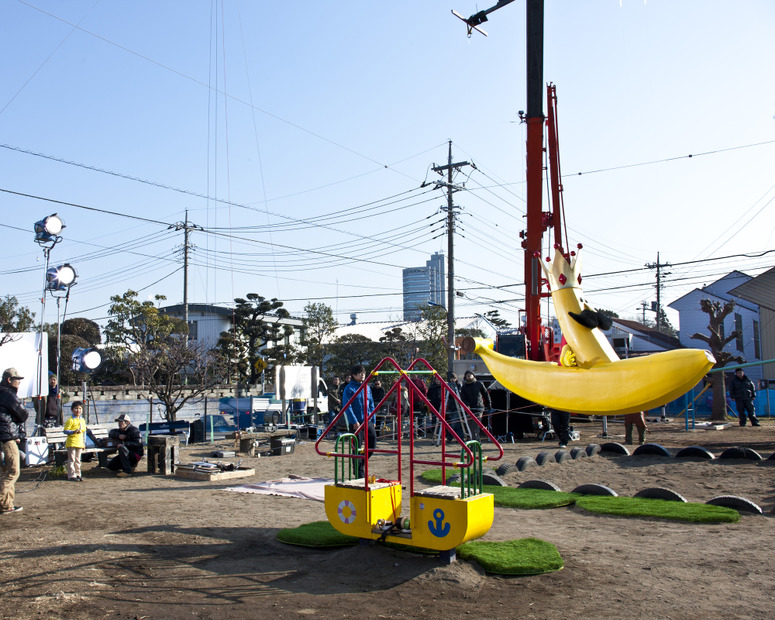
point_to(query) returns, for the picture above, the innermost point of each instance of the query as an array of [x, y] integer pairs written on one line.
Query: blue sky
[[298, 136]]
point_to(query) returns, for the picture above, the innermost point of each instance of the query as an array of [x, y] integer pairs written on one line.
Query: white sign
[[296, 382], [24, 354]]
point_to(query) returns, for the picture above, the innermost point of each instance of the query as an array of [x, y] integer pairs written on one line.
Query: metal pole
[[659, 292], [450, 268], [59, 364], [535, 139], [40, 410], [185, 273], [85, 402]]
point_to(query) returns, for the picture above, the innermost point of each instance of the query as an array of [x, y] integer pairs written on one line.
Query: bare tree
[[716, 340], [163, 368], [173, 368]]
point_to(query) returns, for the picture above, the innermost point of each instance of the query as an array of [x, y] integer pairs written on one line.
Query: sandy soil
[[161, 547]]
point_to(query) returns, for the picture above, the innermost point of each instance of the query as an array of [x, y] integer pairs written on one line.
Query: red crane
[[539, 344]]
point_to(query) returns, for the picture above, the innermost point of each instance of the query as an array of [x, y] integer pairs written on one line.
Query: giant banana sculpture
[[598, 382]]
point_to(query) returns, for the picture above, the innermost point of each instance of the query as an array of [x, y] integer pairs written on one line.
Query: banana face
[[589, 344]]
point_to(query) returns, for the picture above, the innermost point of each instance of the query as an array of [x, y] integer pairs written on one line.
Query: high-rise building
[[423, 285]]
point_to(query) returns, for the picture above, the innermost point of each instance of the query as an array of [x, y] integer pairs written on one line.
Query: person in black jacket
[[476, 397], [130, 448], [743, 392], [12, 416], [434, 392]]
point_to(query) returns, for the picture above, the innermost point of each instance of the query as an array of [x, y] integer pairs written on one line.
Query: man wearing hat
[[12, 414], [130, 448]]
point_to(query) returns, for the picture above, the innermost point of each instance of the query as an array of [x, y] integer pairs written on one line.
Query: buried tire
[[748, 454], [660, 493], [506, 468], [594, 489], [651, 449], [613, 449], [542, 458], [593, 449], [539, 484], [736, 503], [697, 452]]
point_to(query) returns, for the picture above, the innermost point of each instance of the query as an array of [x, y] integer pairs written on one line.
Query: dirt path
[[162, 547]]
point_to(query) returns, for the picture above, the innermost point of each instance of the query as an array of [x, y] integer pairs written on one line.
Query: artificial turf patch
[[316, 534], [527, 556], [658, 508], [510, 497], [529, 499], [433, 476]]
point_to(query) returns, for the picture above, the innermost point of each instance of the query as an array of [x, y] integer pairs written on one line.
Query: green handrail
[[353, 447], [471, 477]]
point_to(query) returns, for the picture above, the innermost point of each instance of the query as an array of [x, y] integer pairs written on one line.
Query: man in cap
[[130, 447], [12, 414]]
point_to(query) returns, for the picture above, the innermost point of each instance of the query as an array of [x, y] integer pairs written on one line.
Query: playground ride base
[[439, 518]]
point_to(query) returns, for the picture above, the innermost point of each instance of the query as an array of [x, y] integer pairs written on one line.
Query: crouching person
[[130, 448]]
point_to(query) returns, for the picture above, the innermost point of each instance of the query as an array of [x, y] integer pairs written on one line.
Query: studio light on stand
[[86, 360], [61, 278], [58, 279], [47, 230]]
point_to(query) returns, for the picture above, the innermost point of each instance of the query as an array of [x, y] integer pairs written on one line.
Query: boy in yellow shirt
[[75, 429]]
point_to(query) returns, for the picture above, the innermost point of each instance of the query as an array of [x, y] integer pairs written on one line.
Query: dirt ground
[[152, 546]]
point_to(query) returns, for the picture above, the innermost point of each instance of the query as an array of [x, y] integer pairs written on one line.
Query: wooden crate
[[183, 472]]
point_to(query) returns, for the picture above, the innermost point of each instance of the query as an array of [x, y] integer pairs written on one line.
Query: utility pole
[[185, 272], [643, 306], [186, 227], [660, 274], [451, 188]]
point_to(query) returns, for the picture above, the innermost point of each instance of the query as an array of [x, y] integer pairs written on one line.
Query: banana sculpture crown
[[562, 273]]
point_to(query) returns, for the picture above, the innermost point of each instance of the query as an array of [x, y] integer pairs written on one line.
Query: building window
[[620, 343], [192, 330], [756, 345], [739, 341]]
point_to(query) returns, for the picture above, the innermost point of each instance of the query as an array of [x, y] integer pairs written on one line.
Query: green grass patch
[[316, 534], [527, 556], [658, 508], [530, 499], [510, 497], [433, 476]]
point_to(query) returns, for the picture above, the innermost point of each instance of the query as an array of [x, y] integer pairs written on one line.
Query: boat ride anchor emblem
[[439, 528]]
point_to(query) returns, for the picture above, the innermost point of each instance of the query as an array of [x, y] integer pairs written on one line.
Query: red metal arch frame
[[404, 380]]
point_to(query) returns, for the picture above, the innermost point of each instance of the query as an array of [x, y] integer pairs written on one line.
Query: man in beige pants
[[12, 414]]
